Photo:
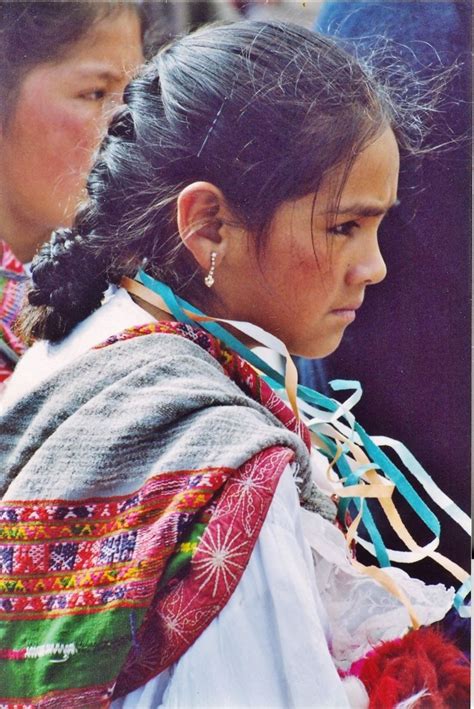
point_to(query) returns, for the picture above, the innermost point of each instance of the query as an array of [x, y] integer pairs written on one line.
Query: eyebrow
[[364, 210], [99, 72]]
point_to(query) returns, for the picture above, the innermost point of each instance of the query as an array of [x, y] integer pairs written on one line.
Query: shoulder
[[157, 354], [150, 376]]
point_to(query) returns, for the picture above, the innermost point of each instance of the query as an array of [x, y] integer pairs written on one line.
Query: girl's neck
[[160, 314], [22, 236]]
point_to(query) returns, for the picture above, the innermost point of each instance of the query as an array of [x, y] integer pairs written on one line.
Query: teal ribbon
[[460, 598], [379, 459]]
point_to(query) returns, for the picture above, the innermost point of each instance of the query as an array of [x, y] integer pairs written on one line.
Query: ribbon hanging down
[[358, 468]]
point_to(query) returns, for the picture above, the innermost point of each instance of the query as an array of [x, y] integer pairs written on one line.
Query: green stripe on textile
[[101, 641], [183, 554]]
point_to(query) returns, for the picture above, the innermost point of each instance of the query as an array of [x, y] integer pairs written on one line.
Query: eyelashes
[[344, 229], [94, 95]]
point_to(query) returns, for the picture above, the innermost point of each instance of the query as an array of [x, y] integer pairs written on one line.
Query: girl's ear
[[203, 222]]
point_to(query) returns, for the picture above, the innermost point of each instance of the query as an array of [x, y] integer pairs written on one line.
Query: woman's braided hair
[[261, 110]]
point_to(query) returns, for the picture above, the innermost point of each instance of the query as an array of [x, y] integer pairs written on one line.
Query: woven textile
[[130, 509], [12, 290]]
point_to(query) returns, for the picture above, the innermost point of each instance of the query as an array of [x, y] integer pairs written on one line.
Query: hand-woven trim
[[96, 697], [184, 610], [48, 548], [76, 577]]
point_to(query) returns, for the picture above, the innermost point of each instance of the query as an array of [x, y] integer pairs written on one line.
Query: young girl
[[155, 549]]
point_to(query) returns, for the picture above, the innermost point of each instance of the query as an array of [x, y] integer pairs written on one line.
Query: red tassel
[[422, 660]]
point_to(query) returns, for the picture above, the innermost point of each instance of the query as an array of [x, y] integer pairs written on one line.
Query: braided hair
[[261, 110]]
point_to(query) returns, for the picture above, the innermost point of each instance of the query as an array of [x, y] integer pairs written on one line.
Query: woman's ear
[[201, 213]]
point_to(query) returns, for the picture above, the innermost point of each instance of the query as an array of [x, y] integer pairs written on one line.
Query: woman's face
[[61, 112], [311, 278]]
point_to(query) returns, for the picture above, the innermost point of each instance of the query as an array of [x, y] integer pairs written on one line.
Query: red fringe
[[422, 660]]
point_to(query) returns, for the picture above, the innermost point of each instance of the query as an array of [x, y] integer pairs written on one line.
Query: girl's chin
[[315, 350]]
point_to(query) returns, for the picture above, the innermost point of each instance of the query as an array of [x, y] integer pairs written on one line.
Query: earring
[[209, 279]]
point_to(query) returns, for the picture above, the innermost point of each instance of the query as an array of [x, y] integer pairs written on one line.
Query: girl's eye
[[96, 95], [345, 229]]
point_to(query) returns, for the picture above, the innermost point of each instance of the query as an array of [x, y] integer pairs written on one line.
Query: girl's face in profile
[[59, 117], [310, 281]]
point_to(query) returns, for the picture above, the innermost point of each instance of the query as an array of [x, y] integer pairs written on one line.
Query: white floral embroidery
[[173, 626], [217, 560]]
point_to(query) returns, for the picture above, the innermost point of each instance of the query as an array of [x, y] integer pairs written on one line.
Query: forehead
[[114, 38], [372, 178]]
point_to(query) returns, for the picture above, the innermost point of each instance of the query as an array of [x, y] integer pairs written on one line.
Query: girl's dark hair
[[261, 110], [32, 33]]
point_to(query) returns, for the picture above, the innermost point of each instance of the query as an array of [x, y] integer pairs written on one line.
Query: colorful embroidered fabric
[[12, 290], [98, 595], [423, 657], [85, 574]]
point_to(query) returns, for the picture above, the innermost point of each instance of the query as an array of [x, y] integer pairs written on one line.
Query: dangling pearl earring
[[209, 279]]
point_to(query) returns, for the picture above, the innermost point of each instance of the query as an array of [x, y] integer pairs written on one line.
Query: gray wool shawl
[[116, 416]]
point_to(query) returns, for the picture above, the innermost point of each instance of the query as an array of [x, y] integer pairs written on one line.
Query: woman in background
[[63, 68], [154, 548]]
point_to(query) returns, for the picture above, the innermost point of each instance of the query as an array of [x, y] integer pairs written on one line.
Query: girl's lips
[[347, 314]]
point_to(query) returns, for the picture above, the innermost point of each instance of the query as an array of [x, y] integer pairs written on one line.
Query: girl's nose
[[369, 268]]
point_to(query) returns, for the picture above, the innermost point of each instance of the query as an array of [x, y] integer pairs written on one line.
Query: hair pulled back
[[261, 110]]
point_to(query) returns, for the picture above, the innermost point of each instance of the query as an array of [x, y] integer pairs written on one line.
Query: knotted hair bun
[[122, 125], [68, 279]]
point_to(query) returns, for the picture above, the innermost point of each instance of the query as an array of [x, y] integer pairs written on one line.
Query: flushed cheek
[[69, 140], [312, 281], [56, 144]]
